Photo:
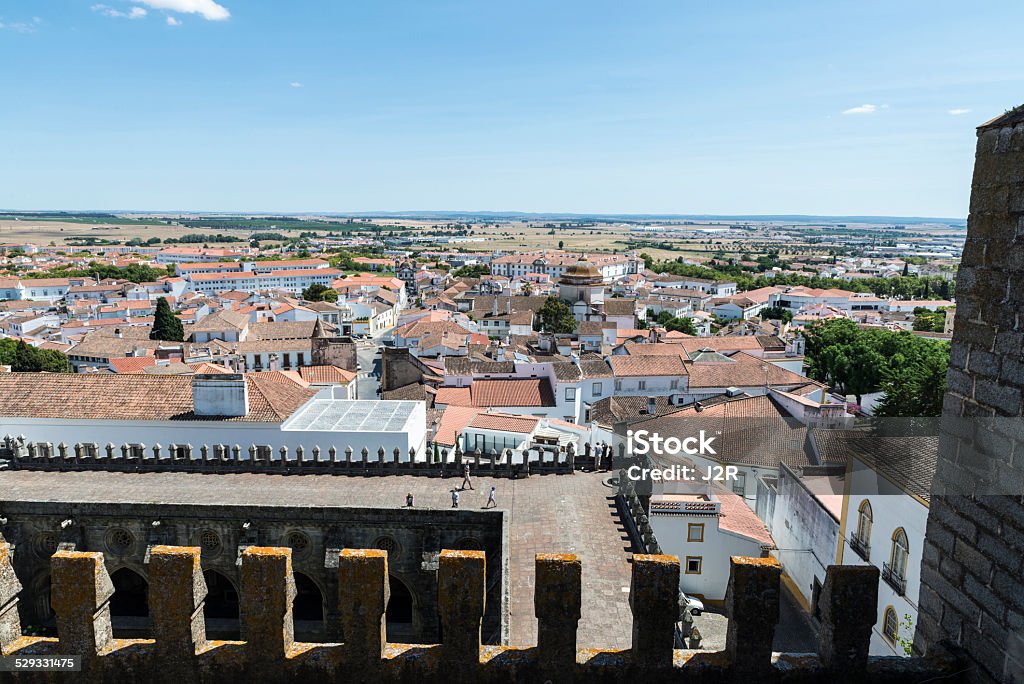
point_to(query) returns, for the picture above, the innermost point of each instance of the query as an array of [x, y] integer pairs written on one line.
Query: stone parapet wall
[[16, 453], [179, 650]]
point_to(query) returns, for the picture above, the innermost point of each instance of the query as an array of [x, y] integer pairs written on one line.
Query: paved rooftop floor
[[548, 514]]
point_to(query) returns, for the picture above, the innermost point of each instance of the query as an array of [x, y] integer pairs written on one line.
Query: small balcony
[[893, 579], [860, 547]]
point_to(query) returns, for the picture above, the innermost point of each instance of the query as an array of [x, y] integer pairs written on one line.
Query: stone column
[[363, 594], [752, 606], [848, 607], [557, 603], [268, 590], [177, 593], [460, 604], [81, 591], [654, 599]]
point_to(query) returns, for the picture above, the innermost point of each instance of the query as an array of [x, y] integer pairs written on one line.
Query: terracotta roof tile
[[504, 423], [133, 397], [645, 366]]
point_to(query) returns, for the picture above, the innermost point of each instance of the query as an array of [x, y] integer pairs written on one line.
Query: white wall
[[716, 549], [891, 509]]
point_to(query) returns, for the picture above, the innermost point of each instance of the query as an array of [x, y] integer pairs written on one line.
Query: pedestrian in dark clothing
[[408, 500]]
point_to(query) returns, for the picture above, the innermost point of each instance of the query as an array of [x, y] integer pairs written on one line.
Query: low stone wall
[[180, 652], [16, 453]]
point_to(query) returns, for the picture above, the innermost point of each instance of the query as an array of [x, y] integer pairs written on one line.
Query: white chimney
[[117, 333], [225, 395]]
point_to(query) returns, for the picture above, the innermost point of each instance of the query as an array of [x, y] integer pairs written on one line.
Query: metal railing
[[860, 547], [894, 579]]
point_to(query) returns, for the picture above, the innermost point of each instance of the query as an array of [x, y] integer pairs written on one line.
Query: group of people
[[467, 483]]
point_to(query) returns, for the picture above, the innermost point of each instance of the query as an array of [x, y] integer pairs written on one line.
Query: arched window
[[900, 553], [890, 625], [864, 522]]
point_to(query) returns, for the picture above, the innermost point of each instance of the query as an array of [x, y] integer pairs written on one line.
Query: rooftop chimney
[[652, 406], [225, 395], [117, 333]]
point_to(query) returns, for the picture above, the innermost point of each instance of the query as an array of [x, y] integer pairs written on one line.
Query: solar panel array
[[325, 415]]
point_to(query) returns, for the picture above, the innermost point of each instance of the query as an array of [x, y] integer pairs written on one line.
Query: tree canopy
[[555, 317], [166, 326], [472, 271], [24, 358], [910, 370], [319, 293]]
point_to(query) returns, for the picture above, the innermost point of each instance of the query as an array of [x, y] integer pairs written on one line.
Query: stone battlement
[[17, 453], [180, 652]]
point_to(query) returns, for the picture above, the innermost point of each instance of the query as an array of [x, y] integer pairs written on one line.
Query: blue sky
[[535, 105]]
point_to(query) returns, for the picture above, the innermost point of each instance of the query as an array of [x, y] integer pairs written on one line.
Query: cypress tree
[[166, 326]]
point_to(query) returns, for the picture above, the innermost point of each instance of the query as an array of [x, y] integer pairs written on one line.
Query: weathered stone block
[[363, 594], [176, 598], [752, 606], [81, 591], [558, 602], [460, 596], [848, 606], [654, 599], [268, 590]]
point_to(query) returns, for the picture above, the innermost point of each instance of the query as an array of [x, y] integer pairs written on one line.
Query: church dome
[[582, 273]]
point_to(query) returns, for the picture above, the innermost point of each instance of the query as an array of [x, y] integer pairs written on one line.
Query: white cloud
[[208, 9], [865, 109], [19, 26], [959, 111], [171, 21], [295, 84], [107, 11]]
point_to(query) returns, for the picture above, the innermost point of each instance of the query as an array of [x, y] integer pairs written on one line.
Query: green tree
[[555, 317], [24, 358], [166, 326], [777, 313], [473, 271], [682, 324], [909, 370], [319, 293]]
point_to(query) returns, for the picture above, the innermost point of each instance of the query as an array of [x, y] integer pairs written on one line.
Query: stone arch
[[41, 609], [308, 608], [221, 596], [129, 606], [131, 593], [401, 611]]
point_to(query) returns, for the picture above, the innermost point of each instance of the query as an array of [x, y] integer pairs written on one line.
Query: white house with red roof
[[705, 529]]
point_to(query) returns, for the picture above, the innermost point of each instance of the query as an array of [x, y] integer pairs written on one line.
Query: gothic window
[[209, 542], [900, 553], [298, 542], [119, 540], [388, 544], [864, 522], [890, 625]]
